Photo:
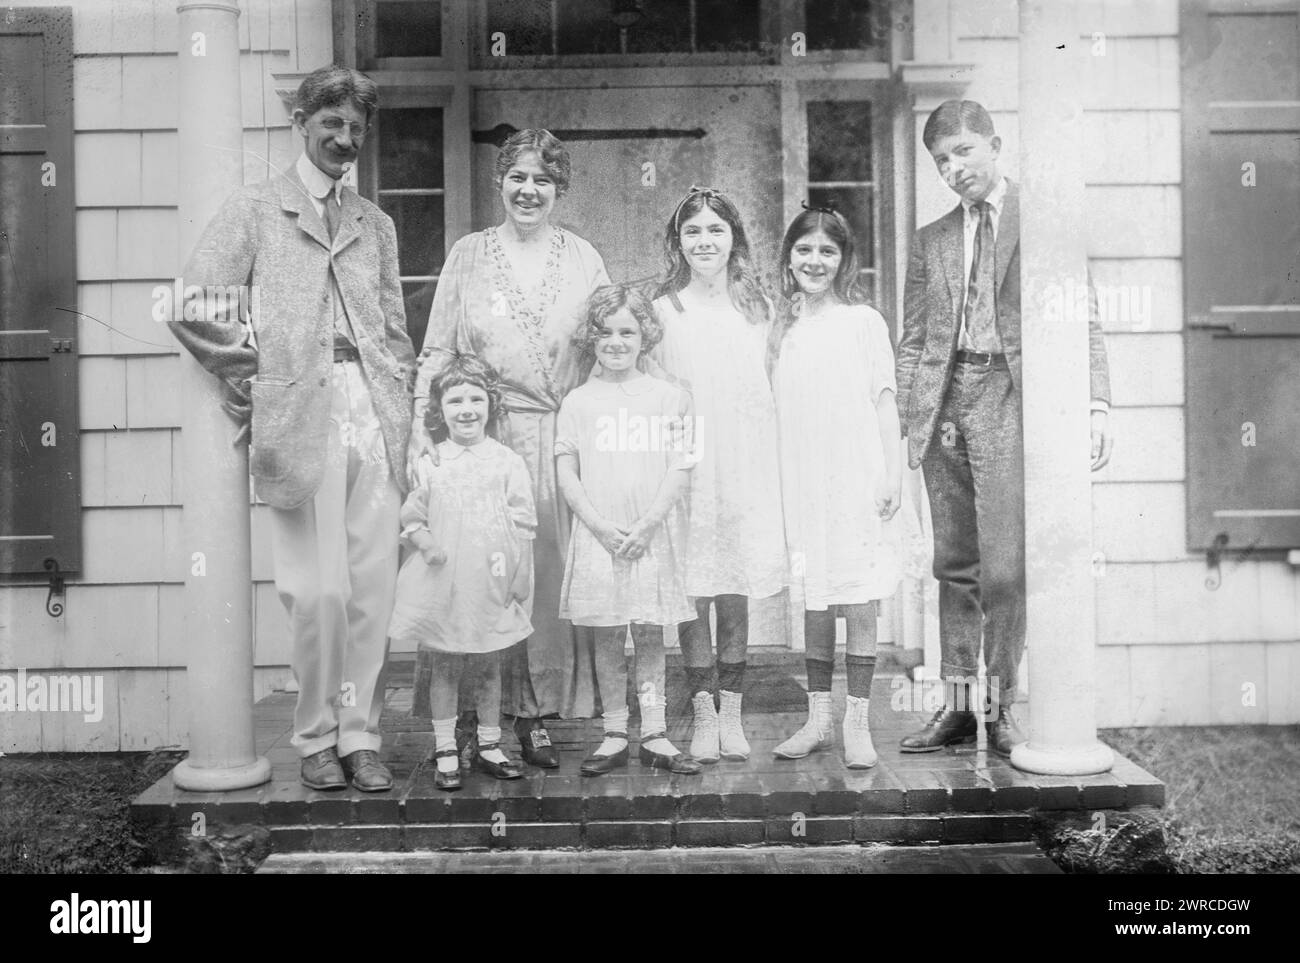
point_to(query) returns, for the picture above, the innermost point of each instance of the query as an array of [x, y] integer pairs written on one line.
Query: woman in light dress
[[513, 295]]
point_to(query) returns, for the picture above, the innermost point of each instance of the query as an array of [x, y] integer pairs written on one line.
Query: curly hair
[[549, 148], [743, 283], [463, 369], [608, 300]]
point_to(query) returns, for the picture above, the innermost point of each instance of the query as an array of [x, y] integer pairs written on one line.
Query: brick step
[[982, 858], [504, 835]]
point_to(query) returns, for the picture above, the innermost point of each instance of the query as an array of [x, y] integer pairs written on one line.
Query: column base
[[194, 779], [1083, 760]]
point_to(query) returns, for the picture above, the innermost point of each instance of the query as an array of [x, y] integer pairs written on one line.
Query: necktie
[[332, 213], [981, 310]]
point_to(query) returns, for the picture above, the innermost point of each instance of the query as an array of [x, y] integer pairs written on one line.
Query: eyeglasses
[[335, 124], [693, 192]]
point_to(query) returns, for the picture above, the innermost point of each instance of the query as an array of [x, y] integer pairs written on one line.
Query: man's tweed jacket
[[269, 236], [932, 304]]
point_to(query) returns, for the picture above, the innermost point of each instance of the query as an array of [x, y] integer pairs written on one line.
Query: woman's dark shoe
[[467, 739], [678, 762], [501, 770], [535, 744], [598, 765], [446, 781]]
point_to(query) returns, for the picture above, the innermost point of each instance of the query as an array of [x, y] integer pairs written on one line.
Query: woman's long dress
[[527, 337]]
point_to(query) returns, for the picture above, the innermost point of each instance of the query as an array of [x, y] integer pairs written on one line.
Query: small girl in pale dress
[[623, 457], [466, 593], [841, 469]]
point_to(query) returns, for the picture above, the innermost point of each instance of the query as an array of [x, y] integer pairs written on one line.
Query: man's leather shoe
[[366, 771], [598, 765], [535, 744], [1003, 733], [321, 770], [948, 727]]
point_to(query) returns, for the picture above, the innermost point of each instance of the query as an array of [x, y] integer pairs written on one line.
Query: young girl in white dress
[[716, 322], [841, 469], [623, 459], [466, 592]]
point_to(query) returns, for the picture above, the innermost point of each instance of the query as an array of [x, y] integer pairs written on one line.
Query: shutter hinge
[[60, 345], [54, 608]]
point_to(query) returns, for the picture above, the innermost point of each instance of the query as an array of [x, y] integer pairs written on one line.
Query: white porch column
[[1061, 626], [218, 586]]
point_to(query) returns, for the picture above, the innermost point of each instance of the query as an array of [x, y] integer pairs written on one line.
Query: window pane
[[855, 204], [586, 28], [419, 231], [843, 24], [839, 140], [410, 147], [664, 27], [408, 28], [526, 24], [727, 25]]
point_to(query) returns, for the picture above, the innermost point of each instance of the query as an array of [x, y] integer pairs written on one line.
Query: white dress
[[735, 540], [627, 436], [832, 369]]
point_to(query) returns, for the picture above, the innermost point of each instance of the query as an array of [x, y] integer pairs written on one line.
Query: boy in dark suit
[[959, 398]]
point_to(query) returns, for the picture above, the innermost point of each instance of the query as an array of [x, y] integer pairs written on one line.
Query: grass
[[1232, 794], [69, 812]]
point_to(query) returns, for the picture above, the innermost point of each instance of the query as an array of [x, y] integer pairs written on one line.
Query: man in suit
[[959, 395], [324, 368]]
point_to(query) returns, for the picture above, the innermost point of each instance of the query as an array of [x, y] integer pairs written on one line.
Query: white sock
[[652, 721], [615, 721], [444, 738], [487, 735]]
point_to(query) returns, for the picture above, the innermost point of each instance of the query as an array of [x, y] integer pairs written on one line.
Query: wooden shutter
[[1241, 269], [40, 513]]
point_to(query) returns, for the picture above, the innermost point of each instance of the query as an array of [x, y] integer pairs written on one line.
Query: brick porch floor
[[956, 796]]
